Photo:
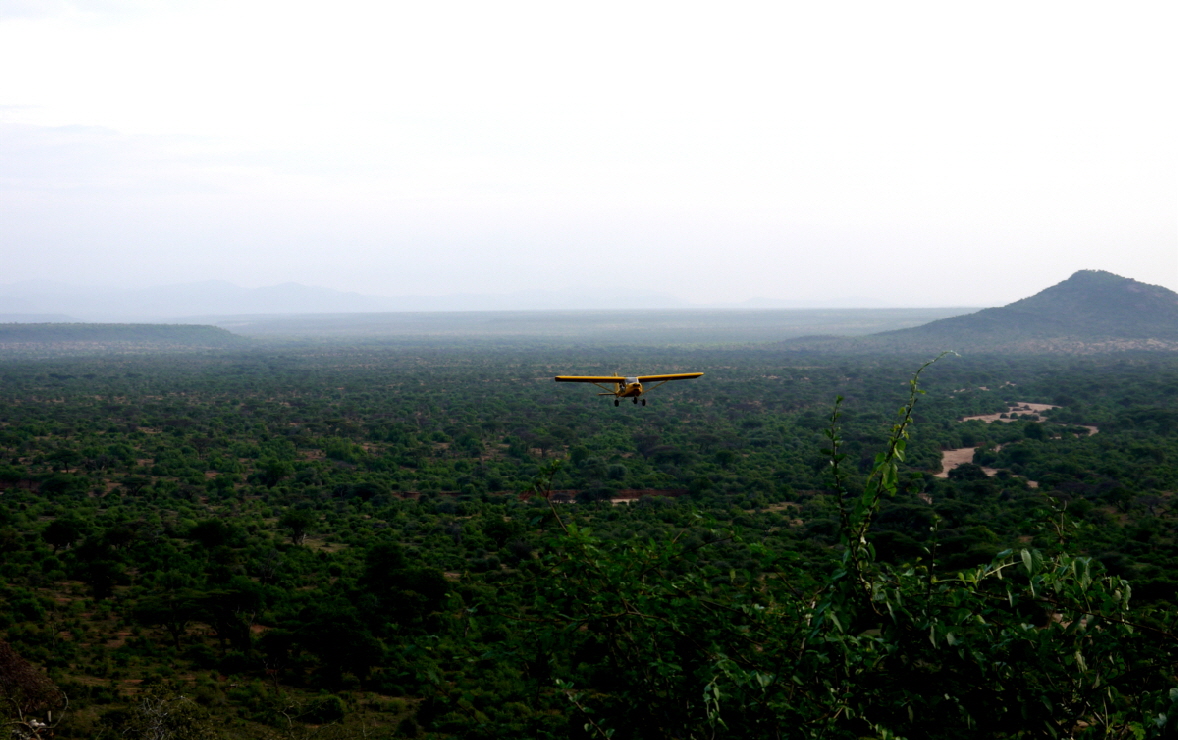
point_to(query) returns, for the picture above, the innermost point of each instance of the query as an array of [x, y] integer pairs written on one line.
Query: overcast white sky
[[917, 153]]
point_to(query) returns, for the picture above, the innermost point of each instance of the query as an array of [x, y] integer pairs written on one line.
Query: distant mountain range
[[44, 301], [1091, 311]]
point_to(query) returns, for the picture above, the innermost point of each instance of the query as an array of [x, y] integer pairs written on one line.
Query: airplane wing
[[589, 379], [674, 376]]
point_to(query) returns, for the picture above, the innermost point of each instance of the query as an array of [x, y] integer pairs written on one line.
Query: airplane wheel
[[644, 402], [616, 402], [635, 401]]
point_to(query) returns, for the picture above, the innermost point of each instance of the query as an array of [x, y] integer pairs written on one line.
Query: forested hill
[[114, 336], [1090, 305], [1093, 310]]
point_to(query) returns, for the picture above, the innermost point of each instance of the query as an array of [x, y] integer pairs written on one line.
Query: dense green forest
[[416, 541]]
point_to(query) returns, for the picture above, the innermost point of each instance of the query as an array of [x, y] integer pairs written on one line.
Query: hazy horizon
[[915, 155], [54, 301]]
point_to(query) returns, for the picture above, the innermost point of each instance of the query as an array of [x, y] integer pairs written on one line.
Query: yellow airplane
[[625, 387]]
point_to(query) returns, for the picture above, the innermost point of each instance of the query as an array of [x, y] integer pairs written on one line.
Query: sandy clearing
[[1020, 407], [1036, 406], [782, 505], [1024, 409], [951, 459]]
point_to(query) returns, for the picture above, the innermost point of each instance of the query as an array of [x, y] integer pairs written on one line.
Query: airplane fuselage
[[630, 389]]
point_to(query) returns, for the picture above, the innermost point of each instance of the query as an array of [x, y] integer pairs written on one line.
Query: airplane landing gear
[[644, 402], [635, 401], [616, 402]]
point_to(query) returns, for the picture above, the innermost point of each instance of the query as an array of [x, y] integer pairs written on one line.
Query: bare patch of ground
[[318, 543], [951, 459], [630, 495], [1023, 409], [782, 505]]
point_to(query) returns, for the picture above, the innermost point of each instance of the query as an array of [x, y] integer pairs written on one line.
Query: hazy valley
[[397, 525]]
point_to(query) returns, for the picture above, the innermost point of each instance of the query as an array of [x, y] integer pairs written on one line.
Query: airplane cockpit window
[[631, 381]]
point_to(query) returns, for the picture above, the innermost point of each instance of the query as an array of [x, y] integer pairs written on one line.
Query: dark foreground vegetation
[[415, 542]]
